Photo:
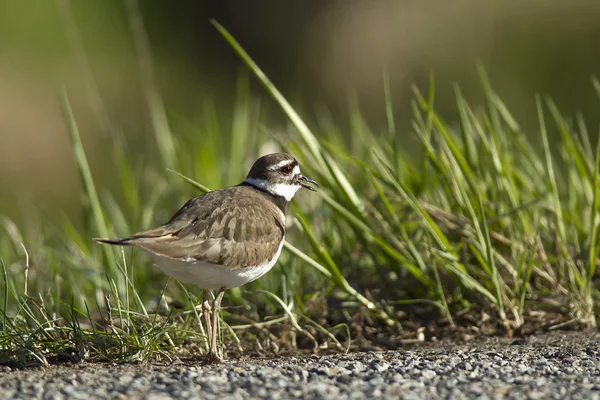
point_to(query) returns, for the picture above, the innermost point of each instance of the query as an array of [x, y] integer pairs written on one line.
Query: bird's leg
[[214, 353], [206, 316], [212, 327]]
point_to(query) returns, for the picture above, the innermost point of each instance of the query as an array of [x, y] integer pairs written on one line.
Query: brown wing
[[238, 229]]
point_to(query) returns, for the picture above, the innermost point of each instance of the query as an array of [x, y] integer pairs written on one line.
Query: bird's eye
[[286, 170]]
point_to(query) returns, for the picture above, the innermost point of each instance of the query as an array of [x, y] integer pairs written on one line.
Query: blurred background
[[318, 53]]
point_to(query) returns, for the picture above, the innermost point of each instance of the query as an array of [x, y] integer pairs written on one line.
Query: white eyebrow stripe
[[280, 164]]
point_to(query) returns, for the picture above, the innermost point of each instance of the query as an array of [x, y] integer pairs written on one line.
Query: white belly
[[210, 276]]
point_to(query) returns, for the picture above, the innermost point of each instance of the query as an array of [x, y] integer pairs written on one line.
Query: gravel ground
[[551, 366]]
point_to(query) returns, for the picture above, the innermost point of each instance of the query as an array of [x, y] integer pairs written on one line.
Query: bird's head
[[278, 174]]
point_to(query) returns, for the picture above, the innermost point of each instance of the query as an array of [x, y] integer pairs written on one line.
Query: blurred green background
[[319, 53]]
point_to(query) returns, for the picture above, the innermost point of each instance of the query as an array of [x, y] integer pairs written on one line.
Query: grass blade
[[88, 183]]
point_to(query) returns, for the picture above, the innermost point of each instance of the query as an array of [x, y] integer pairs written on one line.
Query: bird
[[228, 237]]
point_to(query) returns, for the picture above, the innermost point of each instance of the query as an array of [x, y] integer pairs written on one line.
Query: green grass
[[486, 221]]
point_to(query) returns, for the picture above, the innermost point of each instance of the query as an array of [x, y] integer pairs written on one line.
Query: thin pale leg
[[206, 309], [215, 323], [213, 355]]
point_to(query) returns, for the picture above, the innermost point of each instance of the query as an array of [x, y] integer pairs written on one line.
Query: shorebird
[[228, 237]]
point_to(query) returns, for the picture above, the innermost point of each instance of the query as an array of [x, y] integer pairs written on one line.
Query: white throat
[[284, 190]]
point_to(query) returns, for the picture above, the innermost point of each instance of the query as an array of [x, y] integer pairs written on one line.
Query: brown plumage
[[235, 227]]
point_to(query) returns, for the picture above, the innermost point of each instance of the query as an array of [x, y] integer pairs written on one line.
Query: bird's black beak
[[307, 179]]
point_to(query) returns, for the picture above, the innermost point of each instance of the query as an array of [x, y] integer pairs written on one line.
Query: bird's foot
[[212, 358]]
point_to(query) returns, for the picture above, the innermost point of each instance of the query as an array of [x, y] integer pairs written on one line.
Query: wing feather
[[233, 233]]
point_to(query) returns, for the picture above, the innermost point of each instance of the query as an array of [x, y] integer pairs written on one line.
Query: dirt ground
[[552, 365]]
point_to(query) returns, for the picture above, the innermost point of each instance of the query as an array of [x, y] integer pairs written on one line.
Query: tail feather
[[114, 242]]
